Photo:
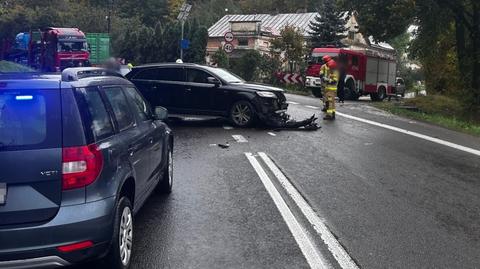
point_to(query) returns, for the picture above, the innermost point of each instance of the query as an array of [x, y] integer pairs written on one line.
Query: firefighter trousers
[[330, 103]]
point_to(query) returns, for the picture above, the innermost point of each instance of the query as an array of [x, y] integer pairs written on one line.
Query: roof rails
[[77, 73]]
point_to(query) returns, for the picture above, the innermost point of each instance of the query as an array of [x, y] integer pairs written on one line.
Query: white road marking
[[338, 252], [272, 134], [415, 134], [240, 138], [292, 103], [227, 127], [313, 257], [314, 107]]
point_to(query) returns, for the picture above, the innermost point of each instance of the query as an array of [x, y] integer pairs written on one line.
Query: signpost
[[228, 47], [228, 37], [182, 17]]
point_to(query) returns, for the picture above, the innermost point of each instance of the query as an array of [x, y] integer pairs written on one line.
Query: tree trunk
[[475, 33]]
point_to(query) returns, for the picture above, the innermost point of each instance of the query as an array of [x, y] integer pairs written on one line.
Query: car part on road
[[242, 114], [284, 122], [224, 146]]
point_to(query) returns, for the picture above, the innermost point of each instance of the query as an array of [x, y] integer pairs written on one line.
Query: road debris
[[284, 122]]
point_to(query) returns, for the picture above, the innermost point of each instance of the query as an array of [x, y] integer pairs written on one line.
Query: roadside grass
[[439, 110]]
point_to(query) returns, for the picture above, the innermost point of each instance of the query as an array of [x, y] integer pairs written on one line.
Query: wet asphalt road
[[392, 200]]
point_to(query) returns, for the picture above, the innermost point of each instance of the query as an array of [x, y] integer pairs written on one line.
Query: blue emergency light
[[23, 97]]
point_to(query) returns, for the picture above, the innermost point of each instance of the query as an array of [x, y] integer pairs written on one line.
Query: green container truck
[[99, 46]]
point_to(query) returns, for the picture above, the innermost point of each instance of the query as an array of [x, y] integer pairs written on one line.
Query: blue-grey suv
[[80, 153]]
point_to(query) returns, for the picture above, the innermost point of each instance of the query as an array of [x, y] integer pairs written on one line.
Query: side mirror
[[214, 81], [161, 113]]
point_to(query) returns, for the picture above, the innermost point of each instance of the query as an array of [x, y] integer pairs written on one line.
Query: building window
[[243, 41], [351, 35]]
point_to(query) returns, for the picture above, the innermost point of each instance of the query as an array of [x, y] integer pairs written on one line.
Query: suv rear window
[[30, 119]]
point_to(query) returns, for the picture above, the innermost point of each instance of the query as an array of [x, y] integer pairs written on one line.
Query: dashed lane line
[[337, 250], [240, 138], [415, 134], [292, 103], [272, 134], [311, 254], [313, 107]]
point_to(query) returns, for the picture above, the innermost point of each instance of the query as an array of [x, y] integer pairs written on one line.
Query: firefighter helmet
[[332, 64], [326, 58]]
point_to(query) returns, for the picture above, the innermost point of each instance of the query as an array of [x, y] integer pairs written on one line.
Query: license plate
[[3, 193]]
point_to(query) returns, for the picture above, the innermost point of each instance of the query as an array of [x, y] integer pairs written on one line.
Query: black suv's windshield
[[225, 75], [28, 119]]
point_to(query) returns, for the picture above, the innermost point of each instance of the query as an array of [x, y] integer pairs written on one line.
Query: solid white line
[[308, 249], [240, 138], [314, 107], [415, 134], [292, 103], [272, 134], [338, 252]]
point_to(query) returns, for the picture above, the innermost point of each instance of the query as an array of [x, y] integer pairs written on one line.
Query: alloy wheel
[[241, 114], [126, 236]]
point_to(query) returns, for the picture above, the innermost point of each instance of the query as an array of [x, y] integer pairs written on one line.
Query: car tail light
[[80, 166], [75, 247]]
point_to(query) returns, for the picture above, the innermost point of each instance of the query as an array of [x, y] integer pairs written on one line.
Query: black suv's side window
[[101, 125], [120, 108], [139, 104], [198, 76], [166, 74]]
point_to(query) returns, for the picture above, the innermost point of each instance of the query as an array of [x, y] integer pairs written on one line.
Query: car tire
[[379, 95], [350, 93], [166, 181], [120, 255], [242, 114]]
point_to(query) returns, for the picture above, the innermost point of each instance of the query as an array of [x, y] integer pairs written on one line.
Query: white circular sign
[[228, 47], [228, 37]]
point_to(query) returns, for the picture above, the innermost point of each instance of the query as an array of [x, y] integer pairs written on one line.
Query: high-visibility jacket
[[331, 80], [324, 71]]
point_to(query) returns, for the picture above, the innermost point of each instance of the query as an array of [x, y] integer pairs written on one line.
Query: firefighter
[[324, 70], [331, 81]]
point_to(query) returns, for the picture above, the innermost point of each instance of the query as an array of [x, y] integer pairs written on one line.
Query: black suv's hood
[[257, 87]]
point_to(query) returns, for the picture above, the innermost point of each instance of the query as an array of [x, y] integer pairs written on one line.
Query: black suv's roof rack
[[77, 73]]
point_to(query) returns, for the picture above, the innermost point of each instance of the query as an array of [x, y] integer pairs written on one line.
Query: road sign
[[185, 43], [228, 37], [228, 47]]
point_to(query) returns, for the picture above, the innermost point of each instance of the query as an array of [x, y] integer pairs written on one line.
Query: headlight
[[267, 94]]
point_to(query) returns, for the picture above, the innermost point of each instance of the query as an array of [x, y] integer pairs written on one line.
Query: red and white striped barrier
[[289, 78]]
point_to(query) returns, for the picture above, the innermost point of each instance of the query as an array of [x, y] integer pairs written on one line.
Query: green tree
[[248, 65], [220, 58], [328, 28], [290, 46]]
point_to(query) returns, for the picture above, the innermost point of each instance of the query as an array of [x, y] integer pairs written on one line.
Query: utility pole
[[182, 17], [109, 15]]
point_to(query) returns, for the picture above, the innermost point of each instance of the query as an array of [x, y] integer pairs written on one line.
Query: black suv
[[79, 155], [204, 90]]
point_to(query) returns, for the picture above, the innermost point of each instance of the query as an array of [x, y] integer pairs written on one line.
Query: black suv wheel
[[242, 114]]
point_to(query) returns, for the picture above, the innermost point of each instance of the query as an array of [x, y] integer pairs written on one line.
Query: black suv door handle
[[188, 89]]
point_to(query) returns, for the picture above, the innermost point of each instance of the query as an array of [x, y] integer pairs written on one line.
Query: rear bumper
[[72, 224], [43, 262]]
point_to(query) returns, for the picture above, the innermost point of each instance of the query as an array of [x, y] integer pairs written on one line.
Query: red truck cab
[[63, 48]]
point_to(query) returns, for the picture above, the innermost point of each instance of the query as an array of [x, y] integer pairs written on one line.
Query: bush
[[445, 106]]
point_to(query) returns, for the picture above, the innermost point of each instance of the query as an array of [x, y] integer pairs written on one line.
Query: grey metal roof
[[269, 23]]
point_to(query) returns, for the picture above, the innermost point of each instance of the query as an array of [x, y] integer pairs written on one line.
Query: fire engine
[[368, 72]]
